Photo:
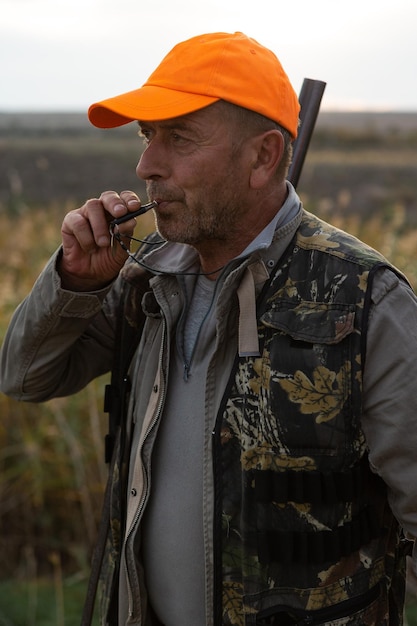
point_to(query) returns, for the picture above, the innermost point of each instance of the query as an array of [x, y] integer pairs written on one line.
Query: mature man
[[270, 433]]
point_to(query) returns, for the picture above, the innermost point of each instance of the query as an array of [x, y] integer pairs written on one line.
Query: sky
[[63, 55]]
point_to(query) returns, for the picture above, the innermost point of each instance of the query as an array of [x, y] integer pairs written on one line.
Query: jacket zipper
[[180, 343], [146, 481]]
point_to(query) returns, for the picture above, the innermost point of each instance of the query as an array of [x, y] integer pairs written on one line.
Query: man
[[270, 432]]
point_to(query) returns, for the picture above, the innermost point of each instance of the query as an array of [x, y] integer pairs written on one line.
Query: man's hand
[[88, 261]]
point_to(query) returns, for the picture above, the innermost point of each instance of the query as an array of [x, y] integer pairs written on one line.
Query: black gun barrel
[[310, 98]]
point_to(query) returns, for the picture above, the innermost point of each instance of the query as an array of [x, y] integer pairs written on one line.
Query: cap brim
[[147, 103]]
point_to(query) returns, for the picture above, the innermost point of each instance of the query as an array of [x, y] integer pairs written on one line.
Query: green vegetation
[[52, 472], [42, 602]]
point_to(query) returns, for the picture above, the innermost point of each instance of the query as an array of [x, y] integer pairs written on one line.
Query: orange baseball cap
[[200, 71]]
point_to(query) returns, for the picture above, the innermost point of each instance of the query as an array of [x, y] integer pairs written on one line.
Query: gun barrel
[[310, 98]]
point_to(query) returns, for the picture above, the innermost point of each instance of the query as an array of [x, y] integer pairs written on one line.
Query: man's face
[[196, 169]]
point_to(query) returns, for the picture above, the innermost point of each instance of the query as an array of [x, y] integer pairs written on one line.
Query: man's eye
[[145, 135], [179, 138]]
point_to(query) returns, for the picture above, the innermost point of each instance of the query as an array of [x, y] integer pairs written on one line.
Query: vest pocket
[[312, 322], [308, 373], [360, 609]]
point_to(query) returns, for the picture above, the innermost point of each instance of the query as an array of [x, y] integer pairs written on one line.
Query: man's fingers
[[89, 225], [119, 204], [130, 199], [88, 260], [77, 226]]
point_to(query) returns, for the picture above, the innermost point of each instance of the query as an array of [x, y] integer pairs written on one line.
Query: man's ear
[[269, 150]]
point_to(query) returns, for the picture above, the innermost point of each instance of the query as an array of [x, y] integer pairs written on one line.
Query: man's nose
[[152, 163]]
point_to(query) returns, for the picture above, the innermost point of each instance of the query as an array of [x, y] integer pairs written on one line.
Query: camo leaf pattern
[[324, 394]]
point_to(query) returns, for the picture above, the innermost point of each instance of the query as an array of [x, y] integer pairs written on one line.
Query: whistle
[[143, 209]]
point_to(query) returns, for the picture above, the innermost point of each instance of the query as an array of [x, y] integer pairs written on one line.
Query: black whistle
[[143, 209]]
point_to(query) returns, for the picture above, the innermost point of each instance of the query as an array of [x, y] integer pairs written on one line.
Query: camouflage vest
[[307, 536]]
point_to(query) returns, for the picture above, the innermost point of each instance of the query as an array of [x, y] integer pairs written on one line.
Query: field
[[360, 174]]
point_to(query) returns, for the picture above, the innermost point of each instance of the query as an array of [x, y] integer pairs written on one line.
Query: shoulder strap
[[129, 325], [126, 342]]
